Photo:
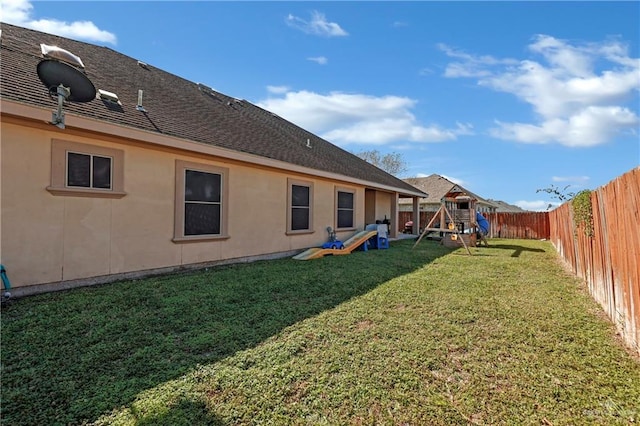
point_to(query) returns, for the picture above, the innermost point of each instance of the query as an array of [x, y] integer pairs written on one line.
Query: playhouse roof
[[437, 187]]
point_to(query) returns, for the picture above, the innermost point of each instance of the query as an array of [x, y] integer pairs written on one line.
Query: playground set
[[374, 236], [459, 222]]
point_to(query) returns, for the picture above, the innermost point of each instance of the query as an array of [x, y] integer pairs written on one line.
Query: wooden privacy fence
[[404, 217], [529, 225], [608, 260], [526, 225]]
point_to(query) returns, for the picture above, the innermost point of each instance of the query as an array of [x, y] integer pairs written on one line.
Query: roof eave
[[76, 122]]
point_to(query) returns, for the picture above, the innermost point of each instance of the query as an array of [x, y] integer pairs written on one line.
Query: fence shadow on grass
[[74, 356], [517, 249]]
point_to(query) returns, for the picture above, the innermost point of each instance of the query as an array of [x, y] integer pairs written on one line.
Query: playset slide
[[350, 245]]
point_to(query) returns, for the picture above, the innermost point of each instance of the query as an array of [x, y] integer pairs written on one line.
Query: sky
[[503, 98]]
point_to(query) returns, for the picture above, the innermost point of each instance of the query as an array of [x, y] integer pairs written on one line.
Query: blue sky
[[502, 97]]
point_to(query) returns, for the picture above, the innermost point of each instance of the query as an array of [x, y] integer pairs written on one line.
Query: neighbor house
[[504, 207], [156, 173], [437, 187]]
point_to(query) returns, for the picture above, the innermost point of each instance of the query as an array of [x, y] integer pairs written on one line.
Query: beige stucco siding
[[48, 238], [383, 205], [142, 221], [32, 230]]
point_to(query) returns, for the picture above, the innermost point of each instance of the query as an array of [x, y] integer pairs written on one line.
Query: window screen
[[202, 203], [88, 171], [345, 209], [300, 207]]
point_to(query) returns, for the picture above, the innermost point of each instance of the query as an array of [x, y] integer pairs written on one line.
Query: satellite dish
[[67, 82], [53, 74]]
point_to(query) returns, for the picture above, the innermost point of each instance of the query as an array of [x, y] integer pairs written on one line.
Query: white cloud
[[577, 104], [319, 59], [359, 119], [454, 180], [278, 90], [537, 205], [572, 179], [318, 25], [18, 12], [589, 127], [471, 65]]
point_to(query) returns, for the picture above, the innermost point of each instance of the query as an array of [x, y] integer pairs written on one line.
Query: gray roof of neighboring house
[[437, 187], [501, 206], [176, 107]]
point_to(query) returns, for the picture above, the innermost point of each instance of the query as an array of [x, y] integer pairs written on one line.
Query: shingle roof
[[174, 106], [502, 206], [437, 186]]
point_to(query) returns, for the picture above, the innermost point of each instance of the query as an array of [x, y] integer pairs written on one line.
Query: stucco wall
[[48, 238]]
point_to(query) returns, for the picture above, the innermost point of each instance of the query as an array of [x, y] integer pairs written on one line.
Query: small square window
[[88, 171], [79, 169]]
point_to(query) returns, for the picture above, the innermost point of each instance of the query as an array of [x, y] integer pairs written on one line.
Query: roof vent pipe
[[139, 107], [308, 143]]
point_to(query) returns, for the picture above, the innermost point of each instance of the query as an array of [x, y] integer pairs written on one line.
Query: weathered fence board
[[608, 260], [527, 225]]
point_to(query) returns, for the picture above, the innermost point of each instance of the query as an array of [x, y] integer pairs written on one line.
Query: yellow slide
[[350, 245]]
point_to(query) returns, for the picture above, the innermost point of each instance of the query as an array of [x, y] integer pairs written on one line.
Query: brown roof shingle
[[437, 187], [174, 106]]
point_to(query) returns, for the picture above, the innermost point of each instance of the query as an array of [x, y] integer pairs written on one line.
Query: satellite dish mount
[[58, 116]]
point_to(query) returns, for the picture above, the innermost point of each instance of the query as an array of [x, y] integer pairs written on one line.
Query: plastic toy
[[333, 242]]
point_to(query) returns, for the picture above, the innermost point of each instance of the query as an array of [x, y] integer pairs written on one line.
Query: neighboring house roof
[[176, 107], [501, 206], [437, 187]]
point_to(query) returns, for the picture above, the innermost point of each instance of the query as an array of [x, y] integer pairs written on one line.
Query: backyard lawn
[[387, 337]]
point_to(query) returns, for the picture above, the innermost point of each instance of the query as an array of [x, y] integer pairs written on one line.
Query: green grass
[[399, 336]]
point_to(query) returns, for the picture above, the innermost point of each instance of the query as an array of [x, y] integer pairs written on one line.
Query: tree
[[559, 194], [392, 163]]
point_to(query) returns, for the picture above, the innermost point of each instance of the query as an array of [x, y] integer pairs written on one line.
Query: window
[[345, 201], [200, 202], [300, 202], [88, 171], [79, 169]]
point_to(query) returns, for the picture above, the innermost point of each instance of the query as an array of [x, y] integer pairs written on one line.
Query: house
[[156, 173], [503, 207], [437, 187]]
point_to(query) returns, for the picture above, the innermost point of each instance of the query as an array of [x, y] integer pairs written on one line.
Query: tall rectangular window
[[345, 209], [200, 201], [300, 206]]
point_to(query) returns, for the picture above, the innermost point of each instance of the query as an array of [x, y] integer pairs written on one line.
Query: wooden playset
[[457, 221]]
